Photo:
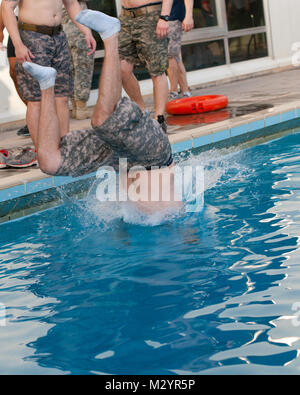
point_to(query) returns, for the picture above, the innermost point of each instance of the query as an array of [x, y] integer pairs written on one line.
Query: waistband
[[142, 10], [49, 30]]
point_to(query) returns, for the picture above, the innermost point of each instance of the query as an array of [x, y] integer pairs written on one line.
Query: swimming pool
[[84, 290]]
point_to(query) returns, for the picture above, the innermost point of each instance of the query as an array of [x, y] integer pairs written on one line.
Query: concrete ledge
[[231, 128]]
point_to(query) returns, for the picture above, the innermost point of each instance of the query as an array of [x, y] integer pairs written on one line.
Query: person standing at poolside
[[38, 37], [12, 69], [181, 19], [17, 157], [144, 42], [82, 66]]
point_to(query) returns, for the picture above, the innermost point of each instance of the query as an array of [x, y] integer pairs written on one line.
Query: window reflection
[[205, 13], [248, 47], [97, 72], [243, 14], [203, 55]]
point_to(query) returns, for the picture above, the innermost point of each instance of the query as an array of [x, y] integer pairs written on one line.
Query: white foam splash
[[216, 163]]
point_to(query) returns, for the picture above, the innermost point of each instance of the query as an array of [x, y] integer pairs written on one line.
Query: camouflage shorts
[[175, 37], [139, 44], [48, 51], [82, 63], [128, 134]]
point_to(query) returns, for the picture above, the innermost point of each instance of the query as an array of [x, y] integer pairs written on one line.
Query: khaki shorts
[[51, 51], [128, 133], [139, 44], [175, 38]]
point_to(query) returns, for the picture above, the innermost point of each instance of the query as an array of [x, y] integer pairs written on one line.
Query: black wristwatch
[[165, 17]]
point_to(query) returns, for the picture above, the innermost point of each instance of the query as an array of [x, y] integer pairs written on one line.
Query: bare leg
[[48, 140], [32, 119], [63, 113], [173, 74], [182, 77], [131, 84], [110, 84], [161, 91], [13, 76]]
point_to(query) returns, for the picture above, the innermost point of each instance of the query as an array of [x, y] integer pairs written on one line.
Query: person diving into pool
[[119, 128]]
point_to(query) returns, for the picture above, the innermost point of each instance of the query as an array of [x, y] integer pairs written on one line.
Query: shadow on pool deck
[[249, 99]]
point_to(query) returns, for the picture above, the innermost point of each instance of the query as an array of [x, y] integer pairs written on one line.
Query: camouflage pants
[[139, 44], [82, 64], [175, 37], [127, 133], [51, 51]]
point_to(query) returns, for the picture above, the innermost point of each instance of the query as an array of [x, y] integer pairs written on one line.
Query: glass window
[[97, 72], [248, 47], [206, 48], [205, 13], [203, 55], [195, 57], [244, 14], [108, 7]]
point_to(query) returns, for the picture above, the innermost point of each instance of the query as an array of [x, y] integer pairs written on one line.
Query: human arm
[[162, 28], [73, 9], [23, 54], [188, 22]]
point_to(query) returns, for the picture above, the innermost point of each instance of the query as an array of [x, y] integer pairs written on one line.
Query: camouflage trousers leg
[[82, 69], [127, 134], [134, 135]]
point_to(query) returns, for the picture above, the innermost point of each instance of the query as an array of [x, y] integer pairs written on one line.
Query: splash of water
[[220, 166]]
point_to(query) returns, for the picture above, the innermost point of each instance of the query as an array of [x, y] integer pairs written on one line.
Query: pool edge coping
[[197, 137]]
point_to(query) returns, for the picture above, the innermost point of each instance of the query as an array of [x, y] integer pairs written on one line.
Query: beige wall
[[284, 26]]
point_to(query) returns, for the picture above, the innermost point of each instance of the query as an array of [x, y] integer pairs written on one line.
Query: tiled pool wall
[[234, 135], [36, 196], [31, 197]]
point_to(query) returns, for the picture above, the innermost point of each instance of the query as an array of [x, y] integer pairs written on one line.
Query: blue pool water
[[84, 290]]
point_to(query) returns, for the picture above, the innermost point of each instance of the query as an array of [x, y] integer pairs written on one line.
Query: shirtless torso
[[46, 12], [137, 3], [40, 12], [162, 29]]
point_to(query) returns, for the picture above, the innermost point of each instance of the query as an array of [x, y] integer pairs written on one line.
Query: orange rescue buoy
[[197, 104]]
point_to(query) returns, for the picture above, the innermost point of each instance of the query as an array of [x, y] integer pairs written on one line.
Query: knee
[[48, 164], [62, 101], [172, 61], [126, 69], [161, 78], [99, 117], [34, 106]]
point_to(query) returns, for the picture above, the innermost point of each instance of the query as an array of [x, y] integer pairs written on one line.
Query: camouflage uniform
[[82, 63], [127, 133], [51, 51], [139, 44], [175, 37]]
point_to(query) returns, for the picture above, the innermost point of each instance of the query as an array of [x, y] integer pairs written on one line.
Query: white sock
[[44, 75], [104, 24]]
